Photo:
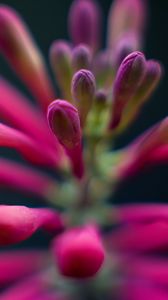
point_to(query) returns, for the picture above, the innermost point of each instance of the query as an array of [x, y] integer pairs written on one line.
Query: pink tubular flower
[[18, 47], [79, 252], [97, 250], [19, 223], [64, 122]]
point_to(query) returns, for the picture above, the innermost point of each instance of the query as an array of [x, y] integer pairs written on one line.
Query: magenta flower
[[103, 91]]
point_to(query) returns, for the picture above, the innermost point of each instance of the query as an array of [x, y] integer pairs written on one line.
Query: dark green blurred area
[[48, 21]]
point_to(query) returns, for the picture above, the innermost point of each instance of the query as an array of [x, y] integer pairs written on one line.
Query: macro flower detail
[[66, 158]]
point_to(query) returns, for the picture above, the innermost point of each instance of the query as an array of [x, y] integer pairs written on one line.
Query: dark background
[[48, 21]]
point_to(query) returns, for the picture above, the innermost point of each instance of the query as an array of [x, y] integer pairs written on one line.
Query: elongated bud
[[81, 57], [126, 16], [150, 81], [79, 253], [21, 52], [85, 23], [127, 44], [128, 78], [65, 124], [83, 91], [148, 85], [60, 59]]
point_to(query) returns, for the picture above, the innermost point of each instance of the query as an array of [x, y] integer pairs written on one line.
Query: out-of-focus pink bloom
[[64, 122], [126, 16], [33, 288], [27, 146], [14, 175], [18, 47], [85, 23], [79, 252], [18, 223], [137, 289], [21, 263], [149, 149], [18, 111]]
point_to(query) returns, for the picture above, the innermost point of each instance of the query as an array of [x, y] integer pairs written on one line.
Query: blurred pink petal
[[159, 155], [18, 223], [140, 237], [149, 269], [34, 288], [37, 153], [16, 109], [126, 16], [142, 291], [17, 176], [20, 50], [141, 213], [16, 264]]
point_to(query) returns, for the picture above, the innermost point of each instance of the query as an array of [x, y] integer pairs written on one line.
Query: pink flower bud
[[21, 52], [128, 78], [85, 23], [126, 16], [64, 122], [127, 44], [83, 91], [151, 79], [18, 223], [81, 58], [60, 59], [79, 252]]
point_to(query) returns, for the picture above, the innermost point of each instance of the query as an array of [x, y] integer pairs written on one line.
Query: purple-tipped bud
[[151, 79], [83, 91], [60, 59], [85, 23], [126, 45], [126, 16], [81, 58], [100, 100], [128, 78], [79, 253], [64, 122]]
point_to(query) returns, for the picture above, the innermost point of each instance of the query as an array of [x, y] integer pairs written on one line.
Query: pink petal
[[159, 155], [20, 50], [16, 109], [34, 288], [140, 238], [16, 264], [142, 213], [155, 270], [142, 291], [18, 223], [30, 149], [14, 175]]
